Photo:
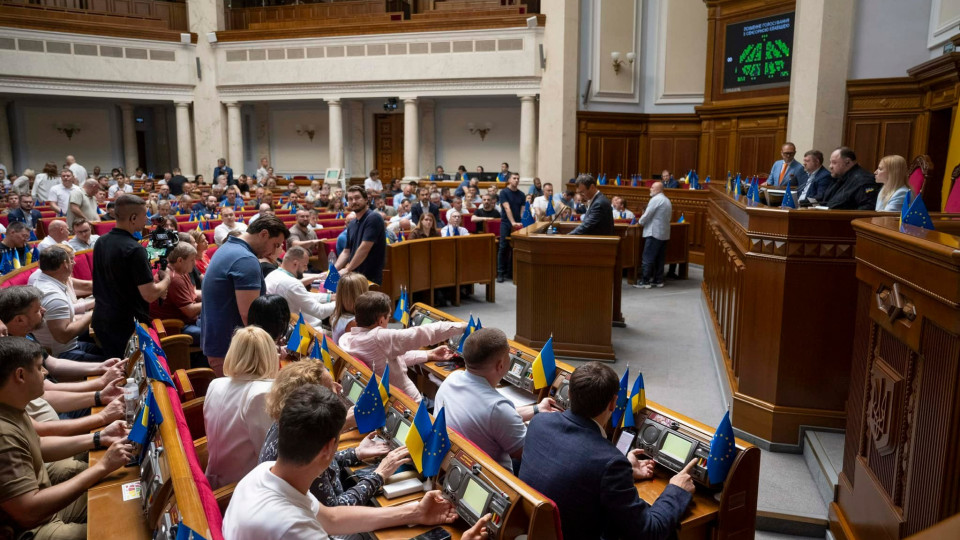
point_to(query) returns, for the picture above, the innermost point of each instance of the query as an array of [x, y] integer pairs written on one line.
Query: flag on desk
[[788, 201], [478, 325], [32, 255], [917, 214], [33, 236], [151, 357], [753, 193], [618, 179], [544, 366], [682, 218], [906, 206], [186, 533], [299, 341], [370, 410], [322, 352], [550, 209], [526, 218], [634, 221], [638, 400], [723, 450], [736, 188], [466, 333], [436, 446], [418, 435], [6, 263], [694, 180], [621, 408], [148, 417], [401, 306], [333, 278]]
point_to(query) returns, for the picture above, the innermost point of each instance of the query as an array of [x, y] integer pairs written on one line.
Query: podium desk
[[781, 288], [568, 287]]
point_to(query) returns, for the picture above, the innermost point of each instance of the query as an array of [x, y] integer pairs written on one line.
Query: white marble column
[[234, 139], [184, 139], [818, 78], [558, 106], [335, 122], [528, 138], [428, 138], [357, 164], [6, 149], [130, 159], [411, 139], [208, 116]]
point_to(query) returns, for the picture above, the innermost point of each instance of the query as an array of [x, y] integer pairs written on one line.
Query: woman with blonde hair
[[328, 487], [892, 173], [234, 411], [426, 228], [203, 259], [350, 287]]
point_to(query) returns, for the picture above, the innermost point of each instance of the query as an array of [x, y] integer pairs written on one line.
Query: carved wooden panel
[[873, 138]]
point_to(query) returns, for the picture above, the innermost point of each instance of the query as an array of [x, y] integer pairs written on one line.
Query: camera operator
[[123, 282]]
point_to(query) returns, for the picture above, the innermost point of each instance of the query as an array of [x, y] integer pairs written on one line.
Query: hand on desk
[[547, 404], [479, 529], [107, 364], [112, 391], [393, 461], [682, 479], [116, 431], [370, 447], [433, 509], [117, 456], [115, 410], [642, 468], [442, 353]]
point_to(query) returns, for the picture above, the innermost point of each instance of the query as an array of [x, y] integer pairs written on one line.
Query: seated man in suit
[[818, 177], [598, 219], [422, 205], [439, 175], [786, 171], [853, 188], [25, 214], [591, 482], [668, 180]]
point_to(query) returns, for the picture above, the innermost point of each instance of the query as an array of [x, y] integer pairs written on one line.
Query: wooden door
[[389, 145]]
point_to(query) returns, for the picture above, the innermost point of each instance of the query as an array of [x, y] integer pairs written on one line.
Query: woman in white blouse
[[453, 228], [892, 173], [234, 411]]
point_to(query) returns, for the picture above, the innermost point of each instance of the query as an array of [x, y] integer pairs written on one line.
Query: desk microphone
[[554, 219]]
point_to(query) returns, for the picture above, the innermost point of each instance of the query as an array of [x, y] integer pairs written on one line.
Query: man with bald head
[[78, 170], [265, 210], [853, 188], [57, 233], [83, 203], [656, 232]]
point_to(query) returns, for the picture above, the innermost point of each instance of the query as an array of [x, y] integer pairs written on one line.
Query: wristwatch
[[96, 441], [96, 399], [536, 409]]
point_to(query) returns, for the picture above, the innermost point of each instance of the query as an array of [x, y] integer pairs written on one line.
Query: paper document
[[517, 396]]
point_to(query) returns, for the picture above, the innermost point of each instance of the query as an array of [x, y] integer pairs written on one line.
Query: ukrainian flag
[[149, 416], [405, 316], [638, 400], [370, 411], [322, 352], [384, 386], [299, 341], [544, 366], [418, 435], [682, 219], [621, 399], [401, 305], [466, 333], [33, 255]]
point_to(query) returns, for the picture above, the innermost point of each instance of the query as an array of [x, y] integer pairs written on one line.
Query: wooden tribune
[[900, 473], [781, 289], [547, 267]]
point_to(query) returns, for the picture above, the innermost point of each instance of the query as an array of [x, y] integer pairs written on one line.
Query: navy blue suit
[[226, 171], [599, 218], [816, 185], [592, 482], [18, 215], [417, 210]]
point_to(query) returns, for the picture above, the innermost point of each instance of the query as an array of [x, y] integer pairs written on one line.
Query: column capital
[[182, 104], [231, 104], [410, 99], [527, 97], [332, 100]]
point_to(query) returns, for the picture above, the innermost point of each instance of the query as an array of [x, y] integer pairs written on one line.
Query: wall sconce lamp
[[481, 131], [615, 56], [310, 130], [68, 129]]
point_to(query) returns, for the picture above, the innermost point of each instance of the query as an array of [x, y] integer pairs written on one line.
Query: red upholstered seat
[[20, 278], [493, 226], [84, 266], [211, 249], [4, 219], [209, 235], [953, 200], [468, 223], [916, 181], [332, 232], [329, 245], [103, 227], [192, 225]]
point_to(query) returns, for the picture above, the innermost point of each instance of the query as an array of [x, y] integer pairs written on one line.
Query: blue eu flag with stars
[[437, 446], [333, 278], [621, 398], [526, 218], [370, 412], [723, 451], [917, 215]]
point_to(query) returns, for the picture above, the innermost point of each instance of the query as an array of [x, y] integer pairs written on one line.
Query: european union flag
[[906, 206], [550, 210], [544, 366], [186, 533], [299, 341], [33, 236], [788, 201], [621, 399], [526, 218], [154, 370], [917, 215], [6, 263], [418, 435], [370, 412], [723, 451], [322, 352], [694, 180], [638, 400], [148, 417], [466, 333], [437, 446], [333, 278], [478, 325]]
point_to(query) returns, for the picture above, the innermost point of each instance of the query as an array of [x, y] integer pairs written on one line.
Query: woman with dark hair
[[44, 181], [271, 313]]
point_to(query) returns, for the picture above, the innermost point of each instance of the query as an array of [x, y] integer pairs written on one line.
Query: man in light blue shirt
[[656, 232]]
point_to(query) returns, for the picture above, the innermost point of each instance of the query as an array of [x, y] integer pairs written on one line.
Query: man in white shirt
[[262, 172], [120, 186], [289, 282], [620, 210], [230, 224], [453, 227], [58, 197], [57, 233], [265, 210], [78, 170], [539, 205], [373, 185], [83, 237], [656, 232], [476, 409], [274, 501]]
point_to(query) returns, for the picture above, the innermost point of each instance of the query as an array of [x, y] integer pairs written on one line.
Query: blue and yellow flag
[[682, 218], [33, 255], [33, 236], [466, 333], [149, 416], [322, 352], [526, 218], [418, 435], [621, 399], [906, 206], [723, 451], [788, 201], [15, 258], [617, 180], [6, 263], [405, 316], [638, 400], [917, 214], [299, 341], [401, 306], [186, 533], [550, 210], [477, 326], [370, 411], [333, 278], [436, 447], [544, 366], [384, 386]]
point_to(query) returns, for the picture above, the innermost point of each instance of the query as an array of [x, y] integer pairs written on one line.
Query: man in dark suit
[[818, 177], [423, 201], [854, 188], [591, 482], [668, 180], [26, 214], [222, 168], [598, 220]]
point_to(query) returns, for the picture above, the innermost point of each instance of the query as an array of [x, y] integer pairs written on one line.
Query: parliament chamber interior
[[463, 269]]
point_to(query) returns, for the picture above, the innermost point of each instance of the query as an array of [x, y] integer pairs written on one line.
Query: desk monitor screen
[[475, 497], [402, 430], [426, 320], [355, 390], [676, 447], [516, 368]]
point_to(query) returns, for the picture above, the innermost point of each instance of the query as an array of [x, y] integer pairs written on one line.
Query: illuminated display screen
[[517, 368], [402, 431], [758, 53], [426, 320], [355, 390], [676, 447], [475, 497]]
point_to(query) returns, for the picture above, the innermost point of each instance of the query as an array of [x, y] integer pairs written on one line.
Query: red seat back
[[493, 226], [103, 227], [916, 181], [84, 266], [20, 278], [953, 200]]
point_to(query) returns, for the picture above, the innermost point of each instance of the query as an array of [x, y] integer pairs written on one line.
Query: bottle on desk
[[131, 395]]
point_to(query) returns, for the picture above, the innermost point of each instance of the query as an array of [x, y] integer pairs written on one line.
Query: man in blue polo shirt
[[366, 248], [232, 282], [511, 207]]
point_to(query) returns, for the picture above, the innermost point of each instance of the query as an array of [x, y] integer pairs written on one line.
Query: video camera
[[162, 241]]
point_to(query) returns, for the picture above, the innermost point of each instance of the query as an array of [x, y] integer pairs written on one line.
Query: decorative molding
[[886, 388], [596, 94], [664, 98], [938, 35], [82, 88], [400, 38], [370, 50], [353, 90]]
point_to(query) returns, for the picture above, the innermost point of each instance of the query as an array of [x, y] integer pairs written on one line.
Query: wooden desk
[[901, 449], [428, 264], [781, 288], [547, 265], [108, 514]]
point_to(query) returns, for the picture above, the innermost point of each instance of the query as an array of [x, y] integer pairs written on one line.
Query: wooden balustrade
[[152, 13]]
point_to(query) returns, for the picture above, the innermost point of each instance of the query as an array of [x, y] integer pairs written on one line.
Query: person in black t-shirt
[[366, 247], [176, 183], [485, 212], [123, 282], [511, 203]]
